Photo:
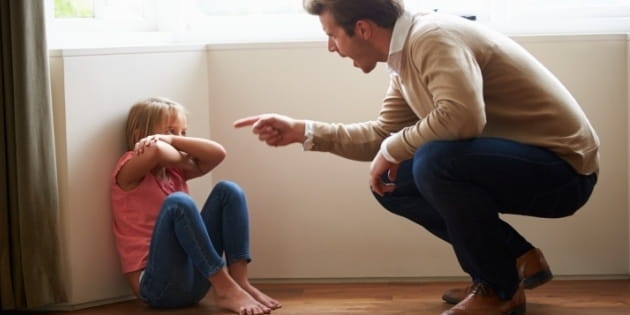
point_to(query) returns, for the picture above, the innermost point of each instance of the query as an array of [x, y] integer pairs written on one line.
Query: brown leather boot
[[483, 301], [533, 271]]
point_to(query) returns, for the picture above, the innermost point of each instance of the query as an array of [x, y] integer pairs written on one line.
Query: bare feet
[[238, 302], [229, 295], [259, 296], [238, 271]]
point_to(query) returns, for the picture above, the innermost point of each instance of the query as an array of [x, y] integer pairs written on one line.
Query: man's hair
[[347, 12], [147, 114]]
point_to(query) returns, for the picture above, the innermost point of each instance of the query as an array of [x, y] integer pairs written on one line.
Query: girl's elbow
[[221, 154]]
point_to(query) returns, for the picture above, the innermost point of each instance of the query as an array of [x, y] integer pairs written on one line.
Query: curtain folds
[[30, 273]]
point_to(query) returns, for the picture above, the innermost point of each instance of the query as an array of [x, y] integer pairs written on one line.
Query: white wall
[[312, 215]]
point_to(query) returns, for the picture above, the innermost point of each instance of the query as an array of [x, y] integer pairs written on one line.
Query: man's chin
[[368, 69]]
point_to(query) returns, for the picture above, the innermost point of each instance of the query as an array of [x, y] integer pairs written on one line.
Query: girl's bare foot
[[227, 294], [238, 271], [260, 297], [238, 302]]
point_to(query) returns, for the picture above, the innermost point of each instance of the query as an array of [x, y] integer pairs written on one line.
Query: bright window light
[[107, 23], [68, 9]]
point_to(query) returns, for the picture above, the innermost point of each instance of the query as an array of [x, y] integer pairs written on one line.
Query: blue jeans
[[187, 246], [457, 189]]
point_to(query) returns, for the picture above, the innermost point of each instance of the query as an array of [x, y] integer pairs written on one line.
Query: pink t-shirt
[[135, 212]]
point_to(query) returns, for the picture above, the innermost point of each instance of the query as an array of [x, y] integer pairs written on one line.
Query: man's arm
[[275, 130]]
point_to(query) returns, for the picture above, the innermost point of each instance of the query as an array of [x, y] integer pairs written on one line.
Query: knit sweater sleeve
[[447, 69], [361, 141]]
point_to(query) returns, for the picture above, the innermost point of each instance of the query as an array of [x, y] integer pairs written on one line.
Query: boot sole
[[449, 300], [529, 283]]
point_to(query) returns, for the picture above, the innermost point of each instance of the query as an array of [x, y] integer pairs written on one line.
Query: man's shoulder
[[430, 30], [437, 24]]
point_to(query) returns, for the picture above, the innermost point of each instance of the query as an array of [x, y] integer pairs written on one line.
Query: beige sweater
[[460, 80]]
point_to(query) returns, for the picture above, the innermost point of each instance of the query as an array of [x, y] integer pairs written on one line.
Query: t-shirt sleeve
[[121, 162]]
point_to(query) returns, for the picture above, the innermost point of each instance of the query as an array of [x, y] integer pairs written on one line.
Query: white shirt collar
[[399, 37]]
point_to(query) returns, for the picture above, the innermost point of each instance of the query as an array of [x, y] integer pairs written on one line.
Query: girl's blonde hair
[[145, 115]]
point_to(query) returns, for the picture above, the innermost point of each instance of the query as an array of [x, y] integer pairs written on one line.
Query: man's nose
[[331, 46]]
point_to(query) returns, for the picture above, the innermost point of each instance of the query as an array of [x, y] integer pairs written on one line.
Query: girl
[[169, 251]]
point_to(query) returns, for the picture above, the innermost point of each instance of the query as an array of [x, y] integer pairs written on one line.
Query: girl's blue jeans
[[458, 189], [187, 245]]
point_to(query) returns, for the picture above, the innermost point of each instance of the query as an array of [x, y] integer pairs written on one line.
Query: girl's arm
[[199, 154], [196, 156]]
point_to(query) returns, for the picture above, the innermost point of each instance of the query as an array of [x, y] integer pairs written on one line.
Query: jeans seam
[[212, 267]]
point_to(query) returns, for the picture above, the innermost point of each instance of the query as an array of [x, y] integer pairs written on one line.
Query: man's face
[[355, 47]]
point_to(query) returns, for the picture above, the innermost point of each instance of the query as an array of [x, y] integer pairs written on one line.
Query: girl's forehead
[[179, 116], [176, 118]]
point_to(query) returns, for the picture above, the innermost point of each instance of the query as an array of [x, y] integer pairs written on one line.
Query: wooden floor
[[559, 297]]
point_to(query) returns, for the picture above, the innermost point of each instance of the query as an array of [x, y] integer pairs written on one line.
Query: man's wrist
[[385, 153], [308, 135]]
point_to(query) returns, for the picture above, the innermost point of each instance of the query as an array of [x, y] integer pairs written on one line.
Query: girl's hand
[[145, 142]]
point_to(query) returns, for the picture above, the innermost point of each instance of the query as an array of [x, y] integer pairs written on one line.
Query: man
[[471, 126]]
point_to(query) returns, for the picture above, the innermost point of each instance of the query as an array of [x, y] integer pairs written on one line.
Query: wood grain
[[559, 297]]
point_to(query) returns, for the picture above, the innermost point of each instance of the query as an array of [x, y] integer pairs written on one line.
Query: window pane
[[123, 10], [102, 9], [570, 8], [448, 6], [249, 7], [74, 8], [542, 5]]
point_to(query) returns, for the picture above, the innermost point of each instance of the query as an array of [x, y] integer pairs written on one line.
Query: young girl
[[169, 251]]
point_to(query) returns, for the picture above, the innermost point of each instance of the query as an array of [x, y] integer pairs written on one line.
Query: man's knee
[[431, 160]]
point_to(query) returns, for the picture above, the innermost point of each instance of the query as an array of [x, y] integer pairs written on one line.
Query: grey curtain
[[29, 218]]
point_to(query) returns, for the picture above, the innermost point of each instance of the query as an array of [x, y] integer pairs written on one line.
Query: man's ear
[[363, 29]]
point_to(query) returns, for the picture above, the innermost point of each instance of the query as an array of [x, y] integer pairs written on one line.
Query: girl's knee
[[179, 200], [229, 188]]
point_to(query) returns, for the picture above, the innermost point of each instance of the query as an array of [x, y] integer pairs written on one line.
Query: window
[[244, 20], [86, 23], [564, 16], [95, 15], [74, 9]]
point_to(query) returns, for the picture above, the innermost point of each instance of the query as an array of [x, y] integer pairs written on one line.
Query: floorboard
[[559, 297]]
